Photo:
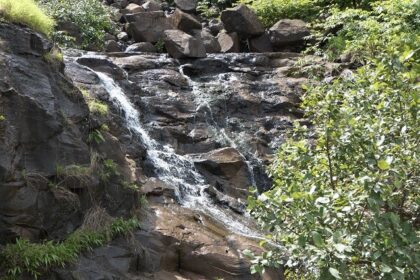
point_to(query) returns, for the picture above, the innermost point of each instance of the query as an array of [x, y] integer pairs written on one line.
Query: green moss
[[98, 108], [28, 13], [2, 118], [36, 259], [54, 56]]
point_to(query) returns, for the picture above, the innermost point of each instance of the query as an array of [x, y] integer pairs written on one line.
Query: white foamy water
[[175, 170]]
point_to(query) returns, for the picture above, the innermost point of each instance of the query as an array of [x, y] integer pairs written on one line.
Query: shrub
[[28, 13], [54, 56], [345, 202], [36, 259], [90, 16], [213, 8]]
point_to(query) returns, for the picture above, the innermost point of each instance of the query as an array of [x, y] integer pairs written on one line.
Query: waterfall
[[175, 170]]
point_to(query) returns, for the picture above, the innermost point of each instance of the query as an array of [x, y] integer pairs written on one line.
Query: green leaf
[[316, 237], [335, 273], [383, 165]]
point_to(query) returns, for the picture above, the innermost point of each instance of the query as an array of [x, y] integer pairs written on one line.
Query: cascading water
[[176, 170]]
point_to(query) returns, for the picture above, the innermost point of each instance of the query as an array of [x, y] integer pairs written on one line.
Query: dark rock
[[141, 47], [229, 42], [112, 46], [260, 44], [102, 64], [211, 44], [180, 44], [215, 26], [148, 26], [122, 36], [186, 5], [133, 9], [185, 22], [288, 33], [243, 21]]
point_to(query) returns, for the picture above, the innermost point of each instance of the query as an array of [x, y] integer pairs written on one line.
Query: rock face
[[148, 26], [260, 44], [243, 21], [229, 42], [288, 33], [180, 44], [211, 44], [184, 22], [186, 5], [141, 47]]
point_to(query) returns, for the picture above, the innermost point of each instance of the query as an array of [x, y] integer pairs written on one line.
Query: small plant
[[96, 136], [160, 46], [98, 108], [130, 186], [34, 259], [73, 174], [26, 12], [144, 203], [2, 118], [54, 56], [109, 168]]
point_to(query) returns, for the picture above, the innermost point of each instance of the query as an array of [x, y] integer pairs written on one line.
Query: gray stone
[[141, 47], [260, 44], [186, 5], [180, 44], [112, 46], [229, 42], [185, 22], [148, 26], [215, 26], [288, 32], [210, 42], [243, 21]]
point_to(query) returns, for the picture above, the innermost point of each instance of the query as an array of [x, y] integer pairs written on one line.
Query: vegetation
[[28, 13], [90, 17], [213, 8], [345, 202], [54, 56], [34, 259]]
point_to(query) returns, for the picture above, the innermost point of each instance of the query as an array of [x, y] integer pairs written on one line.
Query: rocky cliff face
[[194, 134]]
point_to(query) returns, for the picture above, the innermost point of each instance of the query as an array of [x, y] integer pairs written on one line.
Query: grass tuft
[[28, 13]]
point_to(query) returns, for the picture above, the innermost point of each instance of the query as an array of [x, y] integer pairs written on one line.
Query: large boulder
[[186, 5], [226, 169], [215, 26], [180, 44], [152, 6], [184, 21], [210, 42], [243, 21], [147, 26], [132, 9], [229, 42], [260, 44], [141, 47], [288, 33]]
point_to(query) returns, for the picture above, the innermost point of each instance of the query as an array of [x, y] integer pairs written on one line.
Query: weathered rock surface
[[180, 44], [288, 33], [141, 47], [260, 44], [186, 5], [242, 20], [148, 26], [185, 22], [211, 44], [229, 42]]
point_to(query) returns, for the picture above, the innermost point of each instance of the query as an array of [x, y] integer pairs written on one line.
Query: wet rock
[[141, 47], [148, 26], [179, 44], [260, 44], [122, 36], [215, 26], [112, 46], [288, 33], [185, 22], [211, 44], [229, 42], [186, 5], [102, 64], [243, 21], [120, 4], [226, 169]]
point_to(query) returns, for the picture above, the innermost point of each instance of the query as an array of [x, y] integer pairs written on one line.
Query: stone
[[186, 5], [288, 33], [211, 44], [215, 26], [180, 44], [185, 22], [141, 47], [226, 169], [152, 6], [132, 9], [112, 46], [260, 44], [122, 36], [148, 26], [242, 20], [229, 42]]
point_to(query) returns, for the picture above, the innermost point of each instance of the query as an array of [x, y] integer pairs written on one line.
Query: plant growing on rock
[[28, 13]]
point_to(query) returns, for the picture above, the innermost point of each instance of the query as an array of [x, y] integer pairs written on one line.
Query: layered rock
[[180, 44], [288, 33], [148, 26], [242, 20]]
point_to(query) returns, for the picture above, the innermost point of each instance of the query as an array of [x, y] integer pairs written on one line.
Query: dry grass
[[96, 219], [28, 13]]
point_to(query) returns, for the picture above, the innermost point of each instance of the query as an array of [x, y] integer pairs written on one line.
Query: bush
[[89, 16], [345, 202], [35, 259], [28, 13], [213, 8]]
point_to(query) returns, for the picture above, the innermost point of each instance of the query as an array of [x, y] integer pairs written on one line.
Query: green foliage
[[96, 137], [28, 13], [160, 46], [72, 171], [109, 169], [271, 11], [97, 107], [89, 16], [345, 202], [36, 259], [2, 118], [54, 56], [213, 8]]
